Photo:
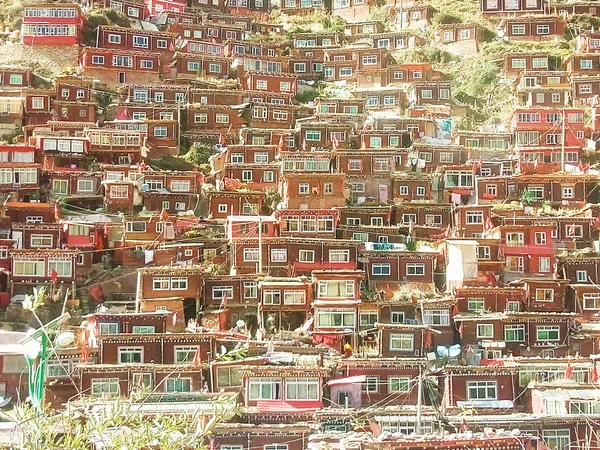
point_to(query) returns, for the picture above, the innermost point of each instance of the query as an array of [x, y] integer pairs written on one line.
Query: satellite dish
[[65, 338], [448, 352], [4, 401]]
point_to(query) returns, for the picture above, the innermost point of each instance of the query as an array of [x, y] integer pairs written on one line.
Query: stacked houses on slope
[[357, 268]]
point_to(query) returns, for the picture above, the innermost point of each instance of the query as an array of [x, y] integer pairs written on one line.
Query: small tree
[[199, 153]]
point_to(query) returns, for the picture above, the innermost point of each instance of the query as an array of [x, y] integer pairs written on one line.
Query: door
[[383, 192]]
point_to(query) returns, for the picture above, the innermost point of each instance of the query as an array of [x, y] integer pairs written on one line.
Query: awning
[[280, 406], [486, 404], [348, 380]]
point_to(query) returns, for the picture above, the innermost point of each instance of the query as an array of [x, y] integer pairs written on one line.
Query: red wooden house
[[116, 66], [313, 191], [33, 267], [144, 40], [15, 78], [134, 9], [38, 105], [224, 203], [512, 6], [269, 81], [533, 28], [52, 24], [194, 65], [307, 223], [336, 306], [155, 7]]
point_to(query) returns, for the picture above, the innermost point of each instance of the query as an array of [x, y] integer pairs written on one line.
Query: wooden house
[[52, 24]]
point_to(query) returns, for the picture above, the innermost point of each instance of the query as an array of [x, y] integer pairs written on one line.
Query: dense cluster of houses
[[355, 269]]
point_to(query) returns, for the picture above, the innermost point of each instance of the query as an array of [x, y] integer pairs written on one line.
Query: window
[[345, 71], [369, 59], [481, 390], [185, 353], [306, 256], [37, 103], [544, 264], [251, 254], [62, 266], [140, 41], [474, 217], [515, 264], [518, 63], [514, 239], [399, 384], [514, 333], [518, 29], [339, 256], [485, 330], [338, 317], [336, 289], [544, 295], [381, 269], [557, 439], [179, 283], [543, 29], [574, 231], [302, 389], [313, 135], [465, 34], [401, 342], [108, 387], [34, 268], [436, 317], [368, 319], [129, 355], [250, 289], [427, 93], [415, 269], [540, 238], [371, 384], [475, 304], [85, 186], [221, 292], [513, 306], [160, 131], [178, 385], [264, 388], [214, 68], [294, 298], [143, 329], [304, 188], [586, 64], [581, 276], [397, 317], [108, 327], [420, 191], [568, 193], [222, 118], [41, 240], [60, 187], [546, 333], [591, 301], [180, 186], [279, 255], [285, 86], [15, 79], [98, 60]]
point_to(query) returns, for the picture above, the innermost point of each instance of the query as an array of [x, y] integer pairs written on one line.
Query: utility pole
[[260, 253], [562, 146], [419, 401]]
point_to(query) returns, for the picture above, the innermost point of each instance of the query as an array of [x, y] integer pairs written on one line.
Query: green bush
[[199, 153]]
